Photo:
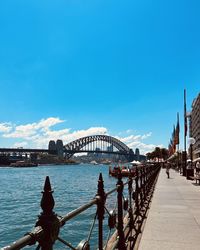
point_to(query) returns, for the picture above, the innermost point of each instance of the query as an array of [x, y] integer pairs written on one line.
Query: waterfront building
[[194, 123]]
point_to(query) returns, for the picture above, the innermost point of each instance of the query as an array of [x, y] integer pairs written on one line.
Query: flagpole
[[185, 120], [185, 135], [179, 159], [179, 169], [178, 142]]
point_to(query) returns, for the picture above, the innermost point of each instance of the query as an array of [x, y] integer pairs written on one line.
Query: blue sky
[[117, 66]]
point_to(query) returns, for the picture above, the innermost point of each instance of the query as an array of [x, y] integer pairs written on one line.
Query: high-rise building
[[195, 126], [137, 154]]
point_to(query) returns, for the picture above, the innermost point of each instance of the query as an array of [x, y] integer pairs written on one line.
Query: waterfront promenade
[[173, 221]]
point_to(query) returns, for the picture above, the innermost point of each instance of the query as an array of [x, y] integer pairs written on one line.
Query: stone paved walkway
[[173, 221]]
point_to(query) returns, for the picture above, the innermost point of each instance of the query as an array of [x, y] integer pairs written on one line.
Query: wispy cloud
[[28, 130], [5, 127], [38, 134], [136, 141], [128, 131], [146, 135], [144, 148], [20, 144], [66, 135], [132, 138]]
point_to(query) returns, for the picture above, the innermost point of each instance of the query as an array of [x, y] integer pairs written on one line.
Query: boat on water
[[124, 170], [94, 163], [23, 164]]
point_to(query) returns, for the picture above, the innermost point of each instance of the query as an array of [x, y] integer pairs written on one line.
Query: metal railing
[[126, 219]]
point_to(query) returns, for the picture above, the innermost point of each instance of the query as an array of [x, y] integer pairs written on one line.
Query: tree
[[159, 153], [164, 153]]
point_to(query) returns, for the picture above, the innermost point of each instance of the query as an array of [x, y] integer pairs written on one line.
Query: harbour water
[[73, 185]]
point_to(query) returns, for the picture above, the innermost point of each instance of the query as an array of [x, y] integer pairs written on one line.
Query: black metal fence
[[125, 221]]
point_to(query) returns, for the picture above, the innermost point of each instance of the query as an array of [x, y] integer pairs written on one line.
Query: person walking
[[197, 167], [167, 170]]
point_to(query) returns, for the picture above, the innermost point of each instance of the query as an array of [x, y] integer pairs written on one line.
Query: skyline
[[73, 68]]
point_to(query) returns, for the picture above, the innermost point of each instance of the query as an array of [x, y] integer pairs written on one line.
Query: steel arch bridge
[[98, 144]]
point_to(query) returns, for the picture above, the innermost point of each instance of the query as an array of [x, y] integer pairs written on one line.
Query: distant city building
[[110, 148], [137, 154], [194, 123], [98, 155]]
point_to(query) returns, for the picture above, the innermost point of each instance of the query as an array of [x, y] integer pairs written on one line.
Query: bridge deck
[[173, 221]]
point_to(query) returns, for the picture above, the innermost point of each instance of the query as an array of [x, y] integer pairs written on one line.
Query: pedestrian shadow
[[195, 184]]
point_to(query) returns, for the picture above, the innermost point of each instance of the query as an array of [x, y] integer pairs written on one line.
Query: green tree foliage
[[160, 153]]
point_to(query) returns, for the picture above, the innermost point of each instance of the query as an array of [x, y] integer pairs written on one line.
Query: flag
[[176, 139], [170, 148], [174, 147], [173, 140], [173, 135], [185, 114]]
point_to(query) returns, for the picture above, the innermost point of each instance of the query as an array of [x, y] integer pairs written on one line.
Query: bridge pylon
[[131, 155]]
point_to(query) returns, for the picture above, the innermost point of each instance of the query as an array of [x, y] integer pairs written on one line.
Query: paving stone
[[165, 245]]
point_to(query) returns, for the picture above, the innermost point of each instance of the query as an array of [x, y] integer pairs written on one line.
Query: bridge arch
[[77, 145]]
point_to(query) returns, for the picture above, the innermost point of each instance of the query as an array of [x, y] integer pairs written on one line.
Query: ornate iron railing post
[[48, 219], [141, 188], [100, 209], [149, 178], [120, 226], [144, 184], [137, 193]]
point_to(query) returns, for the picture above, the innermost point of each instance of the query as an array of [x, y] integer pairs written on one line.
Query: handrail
[[77, 211], [28, 239], [81, 209]]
